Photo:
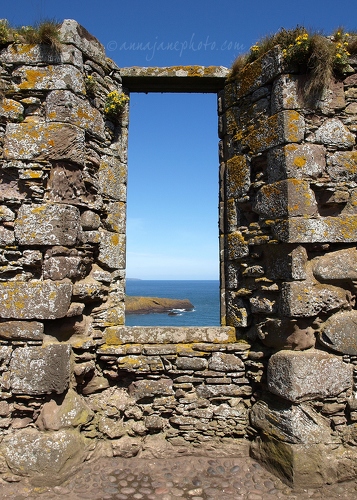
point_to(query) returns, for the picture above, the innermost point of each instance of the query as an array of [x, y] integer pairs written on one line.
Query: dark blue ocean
[[203, 294]]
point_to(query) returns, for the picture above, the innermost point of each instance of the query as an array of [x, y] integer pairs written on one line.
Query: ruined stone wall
[[75, 382], [289, 261]]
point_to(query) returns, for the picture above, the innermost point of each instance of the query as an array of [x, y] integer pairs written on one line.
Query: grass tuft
[[311, 53]]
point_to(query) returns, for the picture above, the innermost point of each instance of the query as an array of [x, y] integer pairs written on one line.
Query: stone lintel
[[201, 79], [168, 335]]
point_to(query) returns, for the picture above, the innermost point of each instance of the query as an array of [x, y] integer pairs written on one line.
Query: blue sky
[[173, 160]]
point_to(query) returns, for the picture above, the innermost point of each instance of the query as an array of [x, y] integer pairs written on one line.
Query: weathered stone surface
[[339, 332], [116, 217], [40, 370], [223, 390], [126, 447], [88, 290], [112, 250], [186, 363], [16, 330], [73, 33], [285, 93], [225, 362], [286, 262], [47, 224], [321, 230], [49, 78], [30, 54], [6, 215], [334, 133], [34, 299], [168, 335], [47, 457], [58, 268], [64, 106], [304, 299], [306, 375], [337, 266], [289, 197], [10, 109], [44, 141], [112, 177], [291, 423], [237, 247], [90, 220], [67, 184], [7, 237], [149, 389], [297, 161], [140, 364], [296, 334], [281, 128], [72, 412], [97, 383], [237, 312], [238, 176], [342, 166]]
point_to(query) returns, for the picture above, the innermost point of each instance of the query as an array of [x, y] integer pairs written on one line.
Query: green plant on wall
[[45, 32], [115, 104], [312, 53]]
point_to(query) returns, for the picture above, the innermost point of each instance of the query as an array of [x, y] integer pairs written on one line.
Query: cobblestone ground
[[194, 478]]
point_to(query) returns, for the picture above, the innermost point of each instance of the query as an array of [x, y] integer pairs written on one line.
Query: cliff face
[[145, 305]]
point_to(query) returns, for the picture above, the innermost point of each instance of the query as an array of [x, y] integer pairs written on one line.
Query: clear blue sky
[[173, 160]]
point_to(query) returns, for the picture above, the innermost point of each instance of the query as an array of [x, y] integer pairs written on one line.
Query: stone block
[[340, 265], [72, 412], [21, 330], [223, 391], [307, 375], [58, 268], [285, 93], [40, 370], [342, 166], [44, 141], [237, 246], [339, 332], [225, 362], [7, 237], [287, 198], [296, 161], [30, 54], [68, 183], [35, 299], [59, 77], [281, 128], [191, 363], [47, 224], [341, 229], [333, 133], [112, 177], [112, 250], [48, 458], [290, 423], [64, 106], [237, 177], [10, 109], [285, 262], [116, 217], [293, 334], [74, 34], [168, 335], [149, 389], [301, 298]]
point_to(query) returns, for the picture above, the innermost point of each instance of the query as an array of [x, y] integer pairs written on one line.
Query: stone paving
[[189, 478]]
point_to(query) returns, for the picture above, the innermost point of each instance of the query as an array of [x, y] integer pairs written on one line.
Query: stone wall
[[289, 261], [75, 381]]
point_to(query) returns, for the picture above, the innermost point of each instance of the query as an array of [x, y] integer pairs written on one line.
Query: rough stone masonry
[[75, 381]]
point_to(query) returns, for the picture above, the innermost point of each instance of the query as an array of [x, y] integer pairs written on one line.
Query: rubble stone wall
[[288, 259]]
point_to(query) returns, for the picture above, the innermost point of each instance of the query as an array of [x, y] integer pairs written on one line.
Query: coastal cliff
[[146, 305]]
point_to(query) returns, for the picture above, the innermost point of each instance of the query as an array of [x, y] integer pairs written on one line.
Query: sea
[[203, 294]]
